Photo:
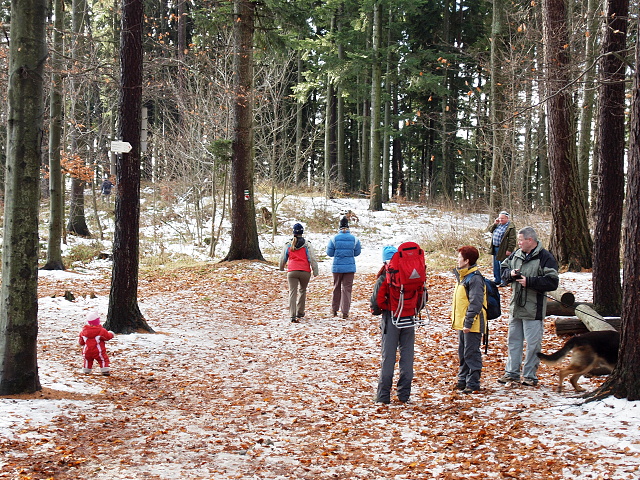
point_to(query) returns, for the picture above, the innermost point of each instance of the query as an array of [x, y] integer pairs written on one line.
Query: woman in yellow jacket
[[468, 317]]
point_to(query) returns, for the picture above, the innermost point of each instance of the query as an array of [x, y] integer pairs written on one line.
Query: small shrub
[[441, 248], [84, 252]]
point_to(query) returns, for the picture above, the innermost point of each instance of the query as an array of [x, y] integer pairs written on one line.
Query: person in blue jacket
[[343, 247]]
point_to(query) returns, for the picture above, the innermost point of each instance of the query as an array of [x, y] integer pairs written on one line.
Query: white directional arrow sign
[[121, 147]]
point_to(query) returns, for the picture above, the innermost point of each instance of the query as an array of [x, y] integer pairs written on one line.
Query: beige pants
[[298, 281]]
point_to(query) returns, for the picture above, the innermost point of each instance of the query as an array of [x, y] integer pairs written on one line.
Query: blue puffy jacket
[[343, 247]]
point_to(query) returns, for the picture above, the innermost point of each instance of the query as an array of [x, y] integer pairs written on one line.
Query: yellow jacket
[[468, 308]]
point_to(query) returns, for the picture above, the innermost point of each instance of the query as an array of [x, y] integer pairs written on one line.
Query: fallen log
[[592, 319], [563, 296], [571, 325], [556, 308]]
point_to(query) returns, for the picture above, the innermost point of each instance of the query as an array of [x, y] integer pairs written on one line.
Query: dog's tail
[[559, 355]]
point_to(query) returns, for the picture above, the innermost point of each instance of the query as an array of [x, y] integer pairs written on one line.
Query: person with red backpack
[[300, 260], [398, 298]]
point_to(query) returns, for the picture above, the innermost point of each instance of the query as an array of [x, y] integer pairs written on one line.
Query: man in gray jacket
[[532, 271]]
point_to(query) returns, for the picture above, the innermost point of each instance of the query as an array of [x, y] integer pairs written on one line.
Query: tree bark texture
[[375, 200], [244, 231], [77, 220], [585, 141], [571, 241], [124, 315], [497, 106], [56, 197], [624, 382], [607, 291], [19, 291]]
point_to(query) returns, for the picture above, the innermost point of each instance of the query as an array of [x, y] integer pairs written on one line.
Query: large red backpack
[[406, 276]]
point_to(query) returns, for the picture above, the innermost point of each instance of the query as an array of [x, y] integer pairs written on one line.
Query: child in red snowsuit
[[92, 338]]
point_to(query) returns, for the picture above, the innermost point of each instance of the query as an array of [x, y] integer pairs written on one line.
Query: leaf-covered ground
[[228, 388]]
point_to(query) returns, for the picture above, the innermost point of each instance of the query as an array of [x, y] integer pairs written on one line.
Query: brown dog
[[588, 351], [351, 216]]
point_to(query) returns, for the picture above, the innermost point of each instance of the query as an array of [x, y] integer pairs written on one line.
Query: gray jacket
[[541, 270]]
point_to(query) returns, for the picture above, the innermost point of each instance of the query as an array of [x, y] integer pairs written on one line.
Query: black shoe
[[294, 320], [461, 386], [471, 390]]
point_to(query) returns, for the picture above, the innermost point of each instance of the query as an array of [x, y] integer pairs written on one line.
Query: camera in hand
[[517, 275]]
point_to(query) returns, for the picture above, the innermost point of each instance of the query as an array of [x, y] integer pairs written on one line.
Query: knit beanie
[[344, 222], [93, 318], [298, 229], [387, 252]]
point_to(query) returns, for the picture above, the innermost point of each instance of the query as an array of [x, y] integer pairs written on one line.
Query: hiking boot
[[334, 313], [507, 379], [295, 320], [386, 401], [461, 386], [471, 390], [345, 315], [530, 382]]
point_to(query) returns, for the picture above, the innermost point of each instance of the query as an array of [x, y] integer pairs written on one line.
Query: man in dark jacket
[[532, 271], [503, 241]]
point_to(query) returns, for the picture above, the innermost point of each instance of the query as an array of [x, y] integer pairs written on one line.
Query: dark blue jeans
[[496, 266]]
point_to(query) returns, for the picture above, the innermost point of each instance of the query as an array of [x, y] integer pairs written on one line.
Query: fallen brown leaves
[[236, 391]]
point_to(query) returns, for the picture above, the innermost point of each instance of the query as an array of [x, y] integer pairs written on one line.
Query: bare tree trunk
[[624, 382], [386, 142], [375, 201], [124, 315], [570, 238], [244, 230], [56, 197], [19, 290], [299, 174], [328, 133], [340, 120], [77, 221], [497, 108], [585, 139], [607, 291]]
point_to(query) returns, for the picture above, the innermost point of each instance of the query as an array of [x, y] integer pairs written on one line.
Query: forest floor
[[228, 388]]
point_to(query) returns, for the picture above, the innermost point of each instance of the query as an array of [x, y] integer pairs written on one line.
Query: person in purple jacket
[[343, 247]]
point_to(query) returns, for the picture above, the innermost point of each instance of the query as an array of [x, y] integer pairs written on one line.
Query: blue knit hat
[[298, 229], [387, 252]]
